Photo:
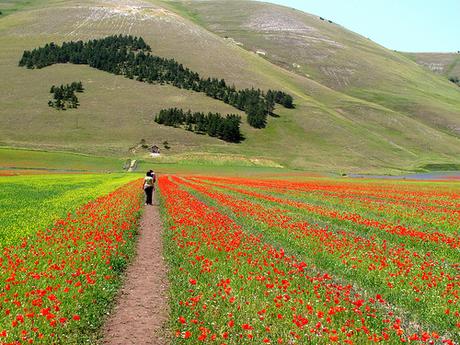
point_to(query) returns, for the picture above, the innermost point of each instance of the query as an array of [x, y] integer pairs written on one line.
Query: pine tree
[[64, 96]]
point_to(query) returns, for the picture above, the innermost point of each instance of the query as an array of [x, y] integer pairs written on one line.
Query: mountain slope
[[447, 64], [328, 53], [330, 129]]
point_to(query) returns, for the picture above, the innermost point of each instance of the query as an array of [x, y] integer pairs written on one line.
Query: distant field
[[32, 203], [36, 161]]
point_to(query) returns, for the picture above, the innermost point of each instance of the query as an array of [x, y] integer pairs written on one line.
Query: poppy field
[[314, 262], [31, 202], [251, 261], [60, 264]]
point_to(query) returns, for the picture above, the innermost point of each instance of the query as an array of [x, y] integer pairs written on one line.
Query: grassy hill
[[326, 52], [447, 64], [388, 114]]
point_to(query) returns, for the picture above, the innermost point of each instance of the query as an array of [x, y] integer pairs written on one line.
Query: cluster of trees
[[455, 80], [279, 97], [64, 95], [95, 53], [226, 127], [130, 56]]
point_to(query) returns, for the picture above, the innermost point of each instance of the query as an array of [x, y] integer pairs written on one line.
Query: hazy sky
[[406, 25]]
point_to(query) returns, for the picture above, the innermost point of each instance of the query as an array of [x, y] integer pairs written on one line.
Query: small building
[[155, 149]]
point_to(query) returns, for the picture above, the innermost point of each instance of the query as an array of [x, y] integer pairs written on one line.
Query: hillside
[[389, 114], [447, 64], [313, 46]]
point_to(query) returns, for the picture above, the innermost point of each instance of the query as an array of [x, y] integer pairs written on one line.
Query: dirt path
[[141, 312]]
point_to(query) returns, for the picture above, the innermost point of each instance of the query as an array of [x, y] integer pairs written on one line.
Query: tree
[[455, 80], [287, 101], [64, 96], [74, 101], [270, 101]]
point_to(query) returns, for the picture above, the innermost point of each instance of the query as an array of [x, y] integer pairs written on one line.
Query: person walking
[[154, 177], [149, 187]]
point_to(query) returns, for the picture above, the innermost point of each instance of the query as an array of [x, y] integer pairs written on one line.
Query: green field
[[35, 160], [31, 203], [382, 124]]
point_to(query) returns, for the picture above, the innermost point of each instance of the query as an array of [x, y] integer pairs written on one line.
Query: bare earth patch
[[141, 312]]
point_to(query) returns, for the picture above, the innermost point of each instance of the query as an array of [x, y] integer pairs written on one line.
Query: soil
[[141, 310]]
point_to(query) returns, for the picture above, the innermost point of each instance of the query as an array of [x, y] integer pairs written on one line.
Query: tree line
[[226, 127], [64, 96], [455, 80], [130, 56]]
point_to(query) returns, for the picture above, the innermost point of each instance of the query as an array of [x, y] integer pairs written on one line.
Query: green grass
[[34, 160], [11, 6], [31, 203], [446, 64], [354, 130], [184, 10], [441, 167]]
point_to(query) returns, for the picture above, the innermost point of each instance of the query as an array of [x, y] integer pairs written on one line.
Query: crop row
[[426, 287], [233, 285], [439, 211]]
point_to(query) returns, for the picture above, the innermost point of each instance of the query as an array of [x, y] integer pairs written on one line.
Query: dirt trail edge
[[141, 310]]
